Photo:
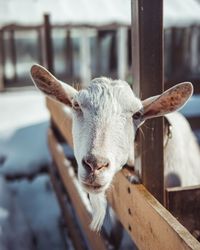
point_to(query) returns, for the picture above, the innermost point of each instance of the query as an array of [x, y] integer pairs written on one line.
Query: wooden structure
[[181, 45], [149, 224], [45, 49], [148, 72]]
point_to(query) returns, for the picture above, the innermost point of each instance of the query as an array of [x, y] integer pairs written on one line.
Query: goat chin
[[98, 203]]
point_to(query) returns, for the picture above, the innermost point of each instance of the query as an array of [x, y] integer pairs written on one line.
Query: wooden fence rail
[[148, 223]]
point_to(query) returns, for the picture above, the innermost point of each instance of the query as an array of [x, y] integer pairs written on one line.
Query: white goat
[[106, 116]]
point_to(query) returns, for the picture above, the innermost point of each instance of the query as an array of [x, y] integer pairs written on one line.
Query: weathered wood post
[[69, 54], [39, 42], [147, 54], [13, 54], [48, 45]]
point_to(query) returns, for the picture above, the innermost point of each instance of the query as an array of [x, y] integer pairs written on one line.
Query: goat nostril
[[92, 163], [87, 165], [106, 165]]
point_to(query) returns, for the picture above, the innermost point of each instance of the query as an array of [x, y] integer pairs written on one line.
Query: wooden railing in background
[[180, 52]]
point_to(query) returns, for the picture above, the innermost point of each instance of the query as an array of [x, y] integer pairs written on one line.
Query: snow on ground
[[15, 233], [21, 108], [41, 211], [23, 130], [25, 151], [29, 212]]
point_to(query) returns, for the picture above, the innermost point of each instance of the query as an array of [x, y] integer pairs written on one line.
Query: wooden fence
[[45, 54], [182, 52], [148, 223], [143, 209]]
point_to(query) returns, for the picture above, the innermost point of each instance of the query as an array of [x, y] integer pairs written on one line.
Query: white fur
[[99, 204], [182, 155]]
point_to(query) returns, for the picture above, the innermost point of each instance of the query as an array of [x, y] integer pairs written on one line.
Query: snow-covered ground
[[23, 129], [29, 212], [20, 108]]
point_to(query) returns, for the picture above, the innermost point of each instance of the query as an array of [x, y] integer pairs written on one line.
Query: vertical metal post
[[147, 54], [48, 45]]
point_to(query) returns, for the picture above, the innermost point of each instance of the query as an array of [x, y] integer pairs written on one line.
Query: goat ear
[[51, 86], [171, 100]]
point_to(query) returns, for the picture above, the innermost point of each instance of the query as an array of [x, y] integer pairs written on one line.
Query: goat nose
[[92, 162]]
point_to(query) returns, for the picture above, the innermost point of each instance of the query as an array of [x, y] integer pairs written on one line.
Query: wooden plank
[[20, 27], [62, 117], [149, 224], [184, 204], [148, 74], [72, 229], [70, 182], [111, 26]]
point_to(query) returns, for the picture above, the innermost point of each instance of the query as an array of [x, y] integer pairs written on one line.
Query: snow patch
[[41, 211], [19, 109]]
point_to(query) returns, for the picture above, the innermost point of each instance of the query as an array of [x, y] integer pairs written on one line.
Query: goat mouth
[[93, 187]]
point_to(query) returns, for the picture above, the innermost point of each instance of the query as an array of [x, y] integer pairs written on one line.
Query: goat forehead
[[105, 93]]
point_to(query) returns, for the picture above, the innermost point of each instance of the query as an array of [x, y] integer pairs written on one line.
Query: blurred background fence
[[79, 50], [83, 52]]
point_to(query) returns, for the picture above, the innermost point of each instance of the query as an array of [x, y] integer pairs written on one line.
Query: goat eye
[[137, 115], [75, 105]]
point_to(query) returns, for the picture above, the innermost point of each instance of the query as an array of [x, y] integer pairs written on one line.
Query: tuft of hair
[[99, 204]]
